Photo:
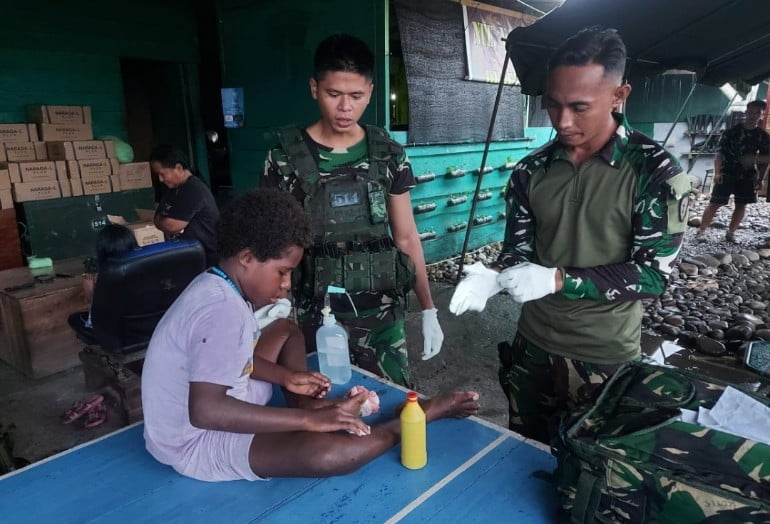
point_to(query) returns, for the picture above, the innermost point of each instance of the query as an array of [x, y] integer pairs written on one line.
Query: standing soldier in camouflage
[[354, 182], [595, 222], [739, 169]]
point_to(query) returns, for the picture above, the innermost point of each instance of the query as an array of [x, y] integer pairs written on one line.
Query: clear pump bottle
[[332, 343]]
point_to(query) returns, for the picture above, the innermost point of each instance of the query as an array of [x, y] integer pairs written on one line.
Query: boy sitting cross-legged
[[208, 371]]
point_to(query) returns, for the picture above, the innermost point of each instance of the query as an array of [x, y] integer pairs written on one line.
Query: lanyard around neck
[[214, 270]]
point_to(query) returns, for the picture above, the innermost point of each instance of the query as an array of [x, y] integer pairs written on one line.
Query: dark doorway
[[156, 106]]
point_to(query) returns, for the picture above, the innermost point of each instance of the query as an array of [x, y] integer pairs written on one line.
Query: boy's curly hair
[[265, 221]]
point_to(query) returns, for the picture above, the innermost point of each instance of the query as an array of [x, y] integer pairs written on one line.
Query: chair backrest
[[134, 289]]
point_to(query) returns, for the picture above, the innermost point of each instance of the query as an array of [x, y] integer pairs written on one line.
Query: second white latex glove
[[433, 336], [473, 291], [528, 281], [266, 314]]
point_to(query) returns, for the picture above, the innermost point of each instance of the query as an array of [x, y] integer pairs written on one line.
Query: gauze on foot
[[372, 403]]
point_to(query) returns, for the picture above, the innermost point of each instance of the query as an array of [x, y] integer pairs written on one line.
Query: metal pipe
[[715, 127], [483, 163]]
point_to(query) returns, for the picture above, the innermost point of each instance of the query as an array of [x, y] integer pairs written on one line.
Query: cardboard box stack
[[56, 156]]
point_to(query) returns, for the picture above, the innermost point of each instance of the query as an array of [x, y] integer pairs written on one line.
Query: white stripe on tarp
[[446, 480]]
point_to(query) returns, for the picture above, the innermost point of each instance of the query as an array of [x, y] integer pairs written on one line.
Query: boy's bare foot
[[457, 404]]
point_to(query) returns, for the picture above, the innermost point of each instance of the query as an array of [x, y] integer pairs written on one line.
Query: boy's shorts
[[216, 456], [743, 188]]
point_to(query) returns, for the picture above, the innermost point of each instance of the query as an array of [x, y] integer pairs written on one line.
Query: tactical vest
[[352, 247]]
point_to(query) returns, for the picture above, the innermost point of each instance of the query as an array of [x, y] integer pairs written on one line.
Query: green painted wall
[[54, 52], [267, 49], [441, 202]]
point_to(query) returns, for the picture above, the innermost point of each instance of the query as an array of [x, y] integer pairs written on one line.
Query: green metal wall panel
[[267, 49], [442, 188]]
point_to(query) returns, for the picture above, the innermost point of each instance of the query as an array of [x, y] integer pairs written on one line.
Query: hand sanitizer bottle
[[332, 343]]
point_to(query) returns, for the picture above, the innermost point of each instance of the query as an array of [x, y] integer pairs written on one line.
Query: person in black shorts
[[738, 169]]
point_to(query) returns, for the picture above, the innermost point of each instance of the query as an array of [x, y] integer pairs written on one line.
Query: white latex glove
[[473, 291], [528, 281], [266, 314], [432, 335]]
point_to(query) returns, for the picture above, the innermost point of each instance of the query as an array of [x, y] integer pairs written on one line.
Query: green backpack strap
[[300, 159], [382, 150]]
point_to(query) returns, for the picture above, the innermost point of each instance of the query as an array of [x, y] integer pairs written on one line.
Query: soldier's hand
[[717, 178], [473, 291], [528, 281], [432, 334]]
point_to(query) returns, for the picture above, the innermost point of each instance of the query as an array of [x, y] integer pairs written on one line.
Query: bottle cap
[[411, 396]]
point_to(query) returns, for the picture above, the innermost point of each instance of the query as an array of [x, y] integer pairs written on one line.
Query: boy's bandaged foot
[[372, 403]]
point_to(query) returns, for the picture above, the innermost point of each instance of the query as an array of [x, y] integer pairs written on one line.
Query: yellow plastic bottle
[[414, 448]]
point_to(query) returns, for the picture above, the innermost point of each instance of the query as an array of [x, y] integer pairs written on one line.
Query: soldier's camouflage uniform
[[377, 336], [568, 343], [630, 457], [739, 145]]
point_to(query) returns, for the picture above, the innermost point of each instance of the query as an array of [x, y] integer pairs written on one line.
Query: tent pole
[[716, 126], [483, 163], [681, 110]]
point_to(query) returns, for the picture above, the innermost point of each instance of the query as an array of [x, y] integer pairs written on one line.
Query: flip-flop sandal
[[96, 416], [81, 408]]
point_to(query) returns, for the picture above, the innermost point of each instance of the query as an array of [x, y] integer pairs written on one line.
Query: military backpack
[[630, 457]]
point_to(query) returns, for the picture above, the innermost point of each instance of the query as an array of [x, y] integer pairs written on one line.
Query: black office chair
[[132, 292]]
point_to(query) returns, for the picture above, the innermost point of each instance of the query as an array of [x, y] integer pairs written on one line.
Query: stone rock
[[740, 260], [694, 222], [740, 332], [764, 334], [709, 346], [716, 334], [708, 260], [718, 225], [753, 256], [674, 320], [748, 318], [764, 253], [724, 258], [756, 305], [719, 324], [667, 329], [688, 269]]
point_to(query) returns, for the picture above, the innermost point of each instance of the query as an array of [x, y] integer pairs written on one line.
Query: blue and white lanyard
[[218, 272]]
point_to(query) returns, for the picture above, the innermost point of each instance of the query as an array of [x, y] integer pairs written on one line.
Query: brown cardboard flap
[[146, 215]]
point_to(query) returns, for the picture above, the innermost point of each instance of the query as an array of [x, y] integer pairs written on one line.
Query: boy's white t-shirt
[[207, 335]]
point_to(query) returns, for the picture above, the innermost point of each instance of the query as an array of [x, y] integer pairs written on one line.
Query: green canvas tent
[[720, 40]]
